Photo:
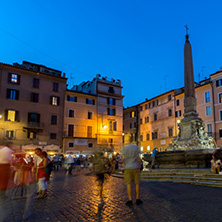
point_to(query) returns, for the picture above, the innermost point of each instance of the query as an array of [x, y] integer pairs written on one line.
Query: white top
[[37, 160], [70, 159], [216, 163], [5, 155]]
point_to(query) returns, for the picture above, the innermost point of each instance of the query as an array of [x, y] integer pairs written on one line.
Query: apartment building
[[157, 118], [80, 123], [31, 110], [109, 110]]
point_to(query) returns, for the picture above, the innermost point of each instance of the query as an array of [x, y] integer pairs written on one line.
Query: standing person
[[153, 157], [101, 166], [42, 176], [56, 162], [70, 163], [132, 161], [5, 163], [216, 163]]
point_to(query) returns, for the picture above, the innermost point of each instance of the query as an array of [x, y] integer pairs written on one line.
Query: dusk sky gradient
[[139, 42]]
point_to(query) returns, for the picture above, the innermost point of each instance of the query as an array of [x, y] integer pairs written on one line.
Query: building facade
[[108, 110], [155, 121], [31, 111]]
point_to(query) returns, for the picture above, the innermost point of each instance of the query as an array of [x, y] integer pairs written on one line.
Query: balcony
[[34, 126]]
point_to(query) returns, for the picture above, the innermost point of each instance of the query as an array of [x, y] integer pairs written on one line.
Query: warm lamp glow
[[178, 121], [104, 127], [0, 116]]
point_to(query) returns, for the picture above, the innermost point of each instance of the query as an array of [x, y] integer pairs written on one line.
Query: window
[[34, 97], [154, 135], [178, 102], [220, 114], [55, 87], [209, 129], [148, 147], [169, 97], [14, 78], [141, 137], [170, 132], [35, 83], [11, 115], [53, 120], [111, 140], [132, 137], [218, 82], [71, 98], [146, 119], [132, 114], [90, 145], [71, 144], [220, 98], [178, 113], [146, 106], [147, 136], [141, 108], [89, 131], [207, 97], [208, 110], [12, 94], [141, 148], [71, 113], [70, 130], [31, 135], [9, 134], [220, 133], [115, 126], [90, 101], [141, 121], [34, 118], [169, 112], [155, 116], [131, 125], [111, 112], [111, 101], [111, 90], [89, 115], [53, 136], [55, 100], [134, 124]]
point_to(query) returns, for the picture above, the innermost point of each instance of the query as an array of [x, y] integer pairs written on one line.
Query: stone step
[[202, 177]]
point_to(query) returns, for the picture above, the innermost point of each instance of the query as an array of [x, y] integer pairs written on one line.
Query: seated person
[[216, 163]]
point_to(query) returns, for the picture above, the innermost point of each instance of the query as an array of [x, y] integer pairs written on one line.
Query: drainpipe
[[137, 125], [215, 138]]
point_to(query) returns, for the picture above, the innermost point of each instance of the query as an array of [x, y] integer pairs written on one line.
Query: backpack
[[48, 168], [101, 165]]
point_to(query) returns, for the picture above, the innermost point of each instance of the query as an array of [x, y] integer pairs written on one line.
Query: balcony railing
[[34, 125]]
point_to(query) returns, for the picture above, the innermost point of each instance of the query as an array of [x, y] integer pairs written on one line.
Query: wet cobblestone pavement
[[74, 198]]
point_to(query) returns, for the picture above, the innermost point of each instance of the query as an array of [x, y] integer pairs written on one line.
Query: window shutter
[[6, 115], [51, 100], [75, 98], [29, 117], [58, 101], [108, 101], [9, 77], [38, 118], [8, 93], [19, 77], [17, 95], [68, 98], [17, 116], [114, 112], [217, 83], [87, 101], [93, 101], [114, 102], [107, 111]]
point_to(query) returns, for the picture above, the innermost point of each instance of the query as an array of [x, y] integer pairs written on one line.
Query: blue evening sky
[[139, 42]]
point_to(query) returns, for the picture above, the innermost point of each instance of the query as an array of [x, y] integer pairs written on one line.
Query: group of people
[[216, 163]]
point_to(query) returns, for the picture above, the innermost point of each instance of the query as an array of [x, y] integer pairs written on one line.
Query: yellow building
[[103, 98]]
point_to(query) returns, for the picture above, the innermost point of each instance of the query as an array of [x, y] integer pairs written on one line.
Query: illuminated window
[[14, 78], [141, 148], [10, 115], [9, 134], [54, 100], [148, 147], [132, 114], [32, 135]]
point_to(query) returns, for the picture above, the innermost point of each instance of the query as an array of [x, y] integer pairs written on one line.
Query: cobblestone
[[74, 198]]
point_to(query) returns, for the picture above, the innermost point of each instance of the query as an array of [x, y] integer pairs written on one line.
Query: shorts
[[132, 175]]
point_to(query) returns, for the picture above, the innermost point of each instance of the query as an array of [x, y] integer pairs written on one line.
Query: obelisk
[[192, 133]]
